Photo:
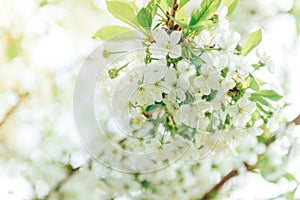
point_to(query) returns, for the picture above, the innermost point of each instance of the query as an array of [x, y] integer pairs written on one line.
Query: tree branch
[[297, 120], [62, 182], [13, 109], [217, 187], [173, 15], [234, 173]]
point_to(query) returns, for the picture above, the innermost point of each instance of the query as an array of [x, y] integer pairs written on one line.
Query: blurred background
[[43, 44]]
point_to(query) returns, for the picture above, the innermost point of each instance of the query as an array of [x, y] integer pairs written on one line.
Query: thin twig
[[217, 187], [13, 109], [61, 183], [173, 15]]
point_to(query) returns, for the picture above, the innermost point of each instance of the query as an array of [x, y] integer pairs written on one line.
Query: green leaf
[[182, 16], [123, 11], [169, 3], [259, 99], [13, 48], [153, 7], [207, 9], [251, 42], [270, 94], [43, 3], [182, 3], [144, 18], [231, 4], [254, 85], [289, 177], [153, 107], [258, 65], [115, 33]]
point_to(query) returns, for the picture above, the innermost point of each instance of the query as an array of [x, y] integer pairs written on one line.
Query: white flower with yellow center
[[241, 111], [167, 44], [209, 79]]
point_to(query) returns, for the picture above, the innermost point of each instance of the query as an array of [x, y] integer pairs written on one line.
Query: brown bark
[[217, 187]]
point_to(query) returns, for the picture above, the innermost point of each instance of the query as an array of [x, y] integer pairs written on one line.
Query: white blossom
[[266, 59], [241, 111], [167, 43]]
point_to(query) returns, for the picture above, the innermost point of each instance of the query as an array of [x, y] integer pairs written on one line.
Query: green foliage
[[144, 18], [123, 11], [115, 33], [211, 96], [290, 177], [207, 9], [270, 94], [295, 11], [153, 107], [260, 99], [13, 48], [146, 15], [43, 3], [251, 42], [182, 3], [231, 4], [254, 85], [258, 65]]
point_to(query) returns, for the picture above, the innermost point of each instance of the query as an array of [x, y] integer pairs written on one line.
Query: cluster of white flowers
[[178, 90], [185, 105]]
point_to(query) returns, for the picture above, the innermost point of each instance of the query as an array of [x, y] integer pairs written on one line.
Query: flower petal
[[250, 107], [232, 110], [175, 51], [175, 38], [201, 83], [161, 37], [180, 94], [158, 50]]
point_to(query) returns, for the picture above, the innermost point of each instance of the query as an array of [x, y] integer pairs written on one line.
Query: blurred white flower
[[223, 23], [266, 59], [249, 149]]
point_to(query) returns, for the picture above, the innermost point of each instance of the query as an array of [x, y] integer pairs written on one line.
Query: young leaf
[[207, 9], [231, 4], [251, 42], [258, 65], [270, 94], [169, 3], [115, 33], [259, 99], [144, 18], [123, 11], [289, 177], [253, 83], [182, 3]]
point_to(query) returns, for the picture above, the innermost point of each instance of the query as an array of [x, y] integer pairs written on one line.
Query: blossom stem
[[173, 14]]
